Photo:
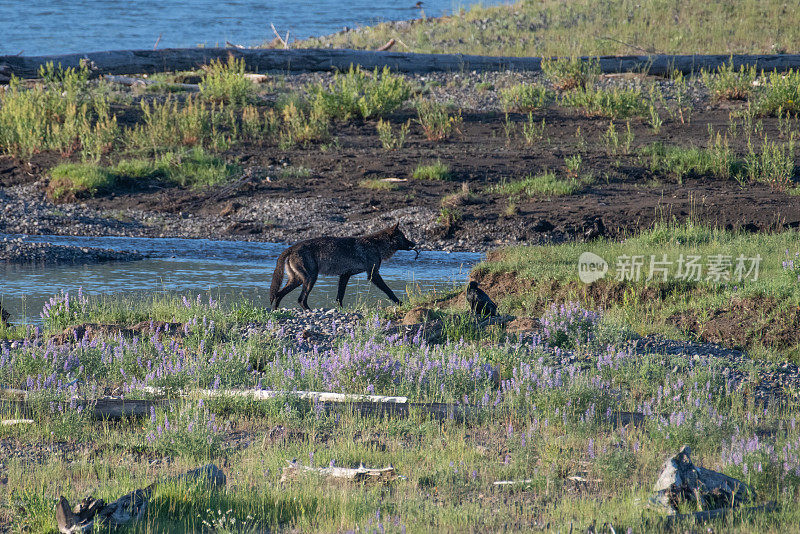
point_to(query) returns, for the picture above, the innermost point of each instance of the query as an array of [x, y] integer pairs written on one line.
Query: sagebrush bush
[[359, 93], [226, 82], [571, 73], [64, 113], [613, 103], [438, 122], [525, 97]]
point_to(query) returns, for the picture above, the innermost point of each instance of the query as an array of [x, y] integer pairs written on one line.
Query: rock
[[209, 474], [417, 315], [523, 324], [683, 482]]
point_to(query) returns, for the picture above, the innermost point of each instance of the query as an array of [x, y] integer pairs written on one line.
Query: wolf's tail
[[277, 276]]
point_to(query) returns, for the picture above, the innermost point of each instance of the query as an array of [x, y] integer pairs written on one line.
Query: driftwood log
[[358, 474], [311, 60], [143, 82]]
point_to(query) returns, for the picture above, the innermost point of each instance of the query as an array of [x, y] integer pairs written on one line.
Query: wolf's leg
[[375, 278], [308, 283], [343, 279], [290, 286]]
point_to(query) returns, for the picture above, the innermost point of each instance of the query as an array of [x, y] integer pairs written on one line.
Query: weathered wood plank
[[311, 60]]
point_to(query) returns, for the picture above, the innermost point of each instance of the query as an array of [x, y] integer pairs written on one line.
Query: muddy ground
[[286, 195]]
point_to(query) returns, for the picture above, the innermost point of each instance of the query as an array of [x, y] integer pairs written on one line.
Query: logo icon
[[591, 267]]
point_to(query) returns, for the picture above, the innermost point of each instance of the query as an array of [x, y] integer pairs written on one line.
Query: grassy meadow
[[546, 415], [575, 417]]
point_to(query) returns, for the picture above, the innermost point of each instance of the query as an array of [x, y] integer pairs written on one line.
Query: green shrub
[[64, 113], [614, 103], [69, 181], [436, 120], [432, 171], [525, 97], [729, 84], [571, 73], [779, 93], [226, 82], [772, 165], [389, 139], [361, 93], [301, 127]]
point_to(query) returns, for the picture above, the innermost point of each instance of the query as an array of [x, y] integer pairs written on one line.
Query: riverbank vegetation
[[584, 28]]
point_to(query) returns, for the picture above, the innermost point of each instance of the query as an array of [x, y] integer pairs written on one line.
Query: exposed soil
[[272, 203]]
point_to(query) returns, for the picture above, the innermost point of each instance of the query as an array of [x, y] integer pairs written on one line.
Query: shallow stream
[[227, 269]]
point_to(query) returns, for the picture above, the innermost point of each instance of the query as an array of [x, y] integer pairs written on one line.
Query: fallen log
[[315, 60], [142, 82], [359, 474]]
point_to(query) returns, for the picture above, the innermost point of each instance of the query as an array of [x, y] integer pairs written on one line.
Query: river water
[[227, 270], [41, 27]]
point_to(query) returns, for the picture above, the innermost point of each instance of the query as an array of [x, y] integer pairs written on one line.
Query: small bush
[[71, 181], [389, 139], [169, 125], [360, 93], [432, 171], [615, 103], [303, 127], [780, 93], [65, 114], [226, 82], [525, 98], [729, 84], [542, 185], [571, 73], [772, 165], [436, 120]]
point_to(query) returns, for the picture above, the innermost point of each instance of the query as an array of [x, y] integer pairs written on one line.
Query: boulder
[[682, 482]]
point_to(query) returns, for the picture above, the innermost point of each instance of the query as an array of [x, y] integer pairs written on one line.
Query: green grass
[[571, 73], [729, 84], [378, 184], [552, 28], [543, 426], [432, 171], [652, 306], [188, 168], [438, 121], [541, 185]]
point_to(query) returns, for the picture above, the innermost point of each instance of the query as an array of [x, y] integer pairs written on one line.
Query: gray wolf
[[342, 256]]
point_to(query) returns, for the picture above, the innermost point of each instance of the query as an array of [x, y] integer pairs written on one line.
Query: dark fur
[[479, 302], [341, 256], [4, 315]]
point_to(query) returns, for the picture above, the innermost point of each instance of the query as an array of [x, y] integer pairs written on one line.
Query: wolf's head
[[398, 239]]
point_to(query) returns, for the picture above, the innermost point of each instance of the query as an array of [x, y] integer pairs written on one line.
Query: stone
[[683, 482]]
